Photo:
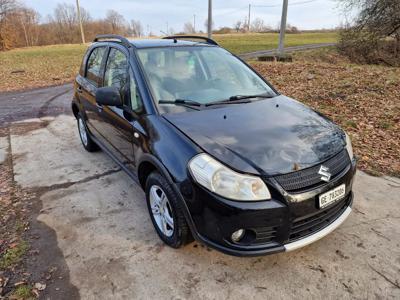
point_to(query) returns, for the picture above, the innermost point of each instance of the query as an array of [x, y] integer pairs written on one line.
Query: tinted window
[[119, 75], [94, 64]]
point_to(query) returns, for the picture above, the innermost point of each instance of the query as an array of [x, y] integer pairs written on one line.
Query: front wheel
[[86, 140], [166, 211]]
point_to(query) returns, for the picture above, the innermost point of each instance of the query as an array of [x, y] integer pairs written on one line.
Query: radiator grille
[[309, 178]]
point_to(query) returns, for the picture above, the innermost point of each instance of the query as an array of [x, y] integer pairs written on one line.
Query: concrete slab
[[54, 155], [113, 252], [3, 149]]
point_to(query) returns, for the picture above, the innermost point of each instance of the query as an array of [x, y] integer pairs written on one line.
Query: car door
[[88, 84], [117, 123]]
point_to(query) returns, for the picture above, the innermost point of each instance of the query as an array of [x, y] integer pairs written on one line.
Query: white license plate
[[332, 196]]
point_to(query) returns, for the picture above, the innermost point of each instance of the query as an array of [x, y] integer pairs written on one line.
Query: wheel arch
[[75, 109], [147, 164]]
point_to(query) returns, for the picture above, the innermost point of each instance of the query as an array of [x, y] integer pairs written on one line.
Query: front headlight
[[225, 182], [349, 148]]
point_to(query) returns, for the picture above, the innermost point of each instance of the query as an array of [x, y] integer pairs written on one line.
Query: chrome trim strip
[[320, 234]]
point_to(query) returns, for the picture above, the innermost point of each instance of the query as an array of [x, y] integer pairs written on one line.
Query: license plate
[[332, 196]]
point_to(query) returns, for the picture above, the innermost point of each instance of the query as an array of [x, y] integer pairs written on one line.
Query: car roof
[[153, 43]]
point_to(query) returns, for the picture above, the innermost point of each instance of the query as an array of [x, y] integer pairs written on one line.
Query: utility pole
[[248, 23], [78, 8], [167, 29], [281, 49], [194, 23], [209, 27]]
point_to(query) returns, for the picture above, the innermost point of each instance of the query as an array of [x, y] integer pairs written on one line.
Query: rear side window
[[94, 64]]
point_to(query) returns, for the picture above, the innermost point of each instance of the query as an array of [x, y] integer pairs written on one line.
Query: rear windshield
[[201, 74]]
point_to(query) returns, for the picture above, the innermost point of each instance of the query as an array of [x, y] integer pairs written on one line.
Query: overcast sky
[[156, 14]]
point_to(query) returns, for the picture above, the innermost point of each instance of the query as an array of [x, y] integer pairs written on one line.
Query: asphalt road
[[95, 227], [51, 101]]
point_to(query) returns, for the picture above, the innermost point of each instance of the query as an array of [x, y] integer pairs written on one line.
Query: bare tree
[[6, 8], [66, 22], [257, 25], [116, 22], [136, 28], [292, 29], [238, 25], [29, 20], [188, 28]]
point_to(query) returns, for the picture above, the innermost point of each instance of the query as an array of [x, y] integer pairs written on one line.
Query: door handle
[[79, 90], [99, 106]]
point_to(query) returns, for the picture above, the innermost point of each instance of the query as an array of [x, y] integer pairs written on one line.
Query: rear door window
[[94, 65]]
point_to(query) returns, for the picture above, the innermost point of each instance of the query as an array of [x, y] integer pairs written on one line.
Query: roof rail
[[112, 38], [207, 40]]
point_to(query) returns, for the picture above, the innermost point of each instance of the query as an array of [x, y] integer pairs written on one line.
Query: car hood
[[265, 137]]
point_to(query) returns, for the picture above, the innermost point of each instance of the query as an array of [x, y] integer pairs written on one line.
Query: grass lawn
[[39, 66], [49, 65], [242, 43]]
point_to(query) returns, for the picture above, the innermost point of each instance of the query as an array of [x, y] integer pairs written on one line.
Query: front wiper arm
[[240, 97], [237, 99], [181, 102]]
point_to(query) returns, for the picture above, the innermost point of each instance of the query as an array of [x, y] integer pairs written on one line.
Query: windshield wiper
[[181, 102], [239, 99]]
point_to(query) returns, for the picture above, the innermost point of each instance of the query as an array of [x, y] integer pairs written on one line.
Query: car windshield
[[199, 73]]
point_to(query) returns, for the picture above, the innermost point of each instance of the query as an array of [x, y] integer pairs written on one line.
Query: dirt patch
[[47, 263], [31, 264], [26, 127]]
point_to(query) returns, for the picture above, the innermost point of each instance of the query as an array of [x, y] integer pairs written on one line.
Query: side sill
[[112, 156]]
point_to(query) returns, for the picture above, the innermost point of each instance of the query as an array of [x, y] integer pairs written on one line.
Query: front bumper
[[284, 223], [319, 234]]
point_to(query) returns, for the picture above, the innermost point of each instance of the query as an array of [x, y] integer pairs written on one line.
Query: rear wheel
[[166, 211], [86, 140]]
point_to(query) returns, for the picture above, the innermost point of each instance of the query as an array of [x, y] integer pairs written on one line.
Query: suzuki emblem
[[324, 171]]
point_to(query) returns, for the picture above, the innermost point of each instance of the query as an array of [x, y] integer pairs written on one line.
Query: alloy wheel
[[161, 210]]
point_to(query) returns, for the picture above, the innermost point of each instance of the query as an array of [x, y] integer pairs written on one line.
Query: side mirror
[[109, 96]]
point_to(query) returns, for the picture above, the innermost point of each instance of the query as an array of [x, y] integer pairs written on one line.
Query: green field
[[242, 43], [49, 65]]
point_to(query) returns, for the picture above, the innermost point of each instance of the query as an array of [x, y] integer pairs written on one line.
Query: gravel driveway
[[110, 250]]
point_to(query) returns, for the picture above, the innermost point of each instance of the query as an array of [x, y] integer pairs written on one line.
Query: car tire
[[163, 210], [85, 137]]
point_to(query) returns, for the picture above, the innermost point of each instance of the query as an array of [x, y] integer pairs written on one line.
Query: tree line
[[21, 26]]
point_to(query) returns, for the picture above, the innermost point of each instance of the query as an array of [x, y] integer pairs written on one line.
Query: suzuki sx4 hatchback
[[222, 156]]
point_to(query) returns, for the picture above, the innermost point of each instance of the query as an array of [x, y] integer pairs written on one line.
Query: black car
[[221, 155]]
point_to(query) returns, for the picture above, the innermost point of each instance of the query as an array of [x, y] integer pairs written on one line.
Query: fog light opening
[[237, 235]]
